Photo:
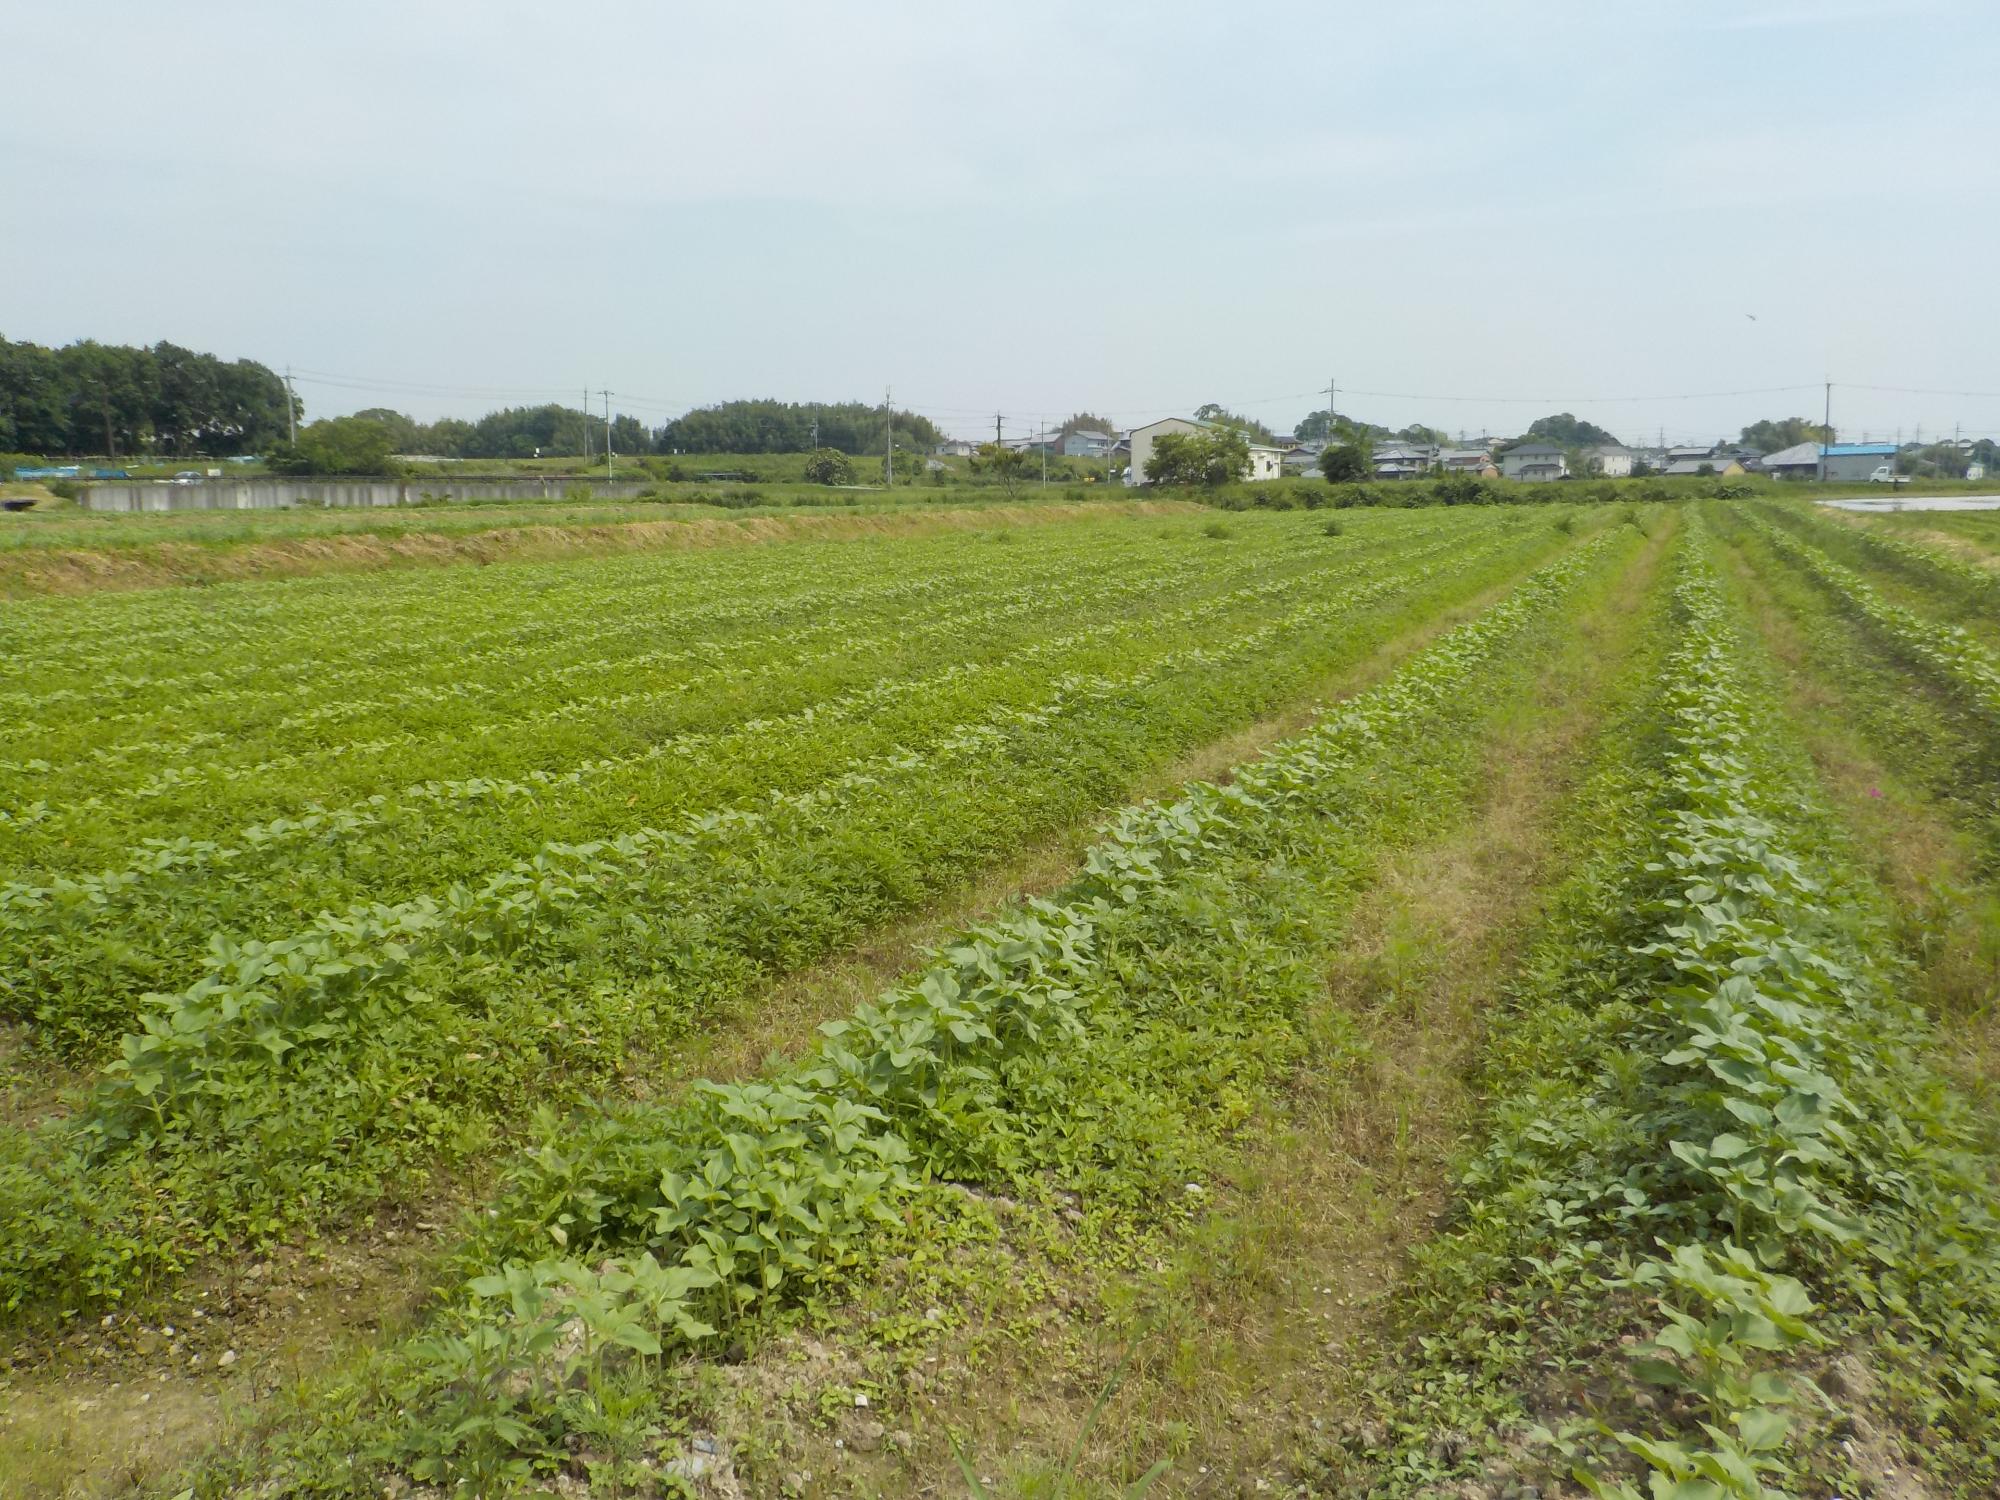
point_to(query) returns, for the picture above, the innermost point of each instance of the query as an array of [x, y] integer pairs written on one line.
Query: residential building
[[957, 448], [1798, 462], [1403, 460], [1534, 461], [1303, 459], [1846, 462], [1609, 460], [1266, 460], [1087, 442], [1475, 461], [1712, 463]]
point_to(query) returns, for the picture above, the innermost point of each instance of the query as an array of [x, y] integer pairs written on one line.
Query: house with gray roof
[[1534, 461]]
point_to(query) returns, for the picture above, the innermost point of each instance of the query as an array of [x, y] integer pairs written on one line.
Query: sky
[[1672, 217]]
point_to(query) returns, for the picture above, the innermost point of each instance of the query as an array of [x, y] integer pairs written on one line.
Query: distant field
[[1979, 528], [59, 548]]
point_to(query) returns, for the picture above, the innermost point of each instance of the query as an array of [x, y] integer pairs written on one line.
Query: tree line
[[126, 401], [365, 442], [769, 426]]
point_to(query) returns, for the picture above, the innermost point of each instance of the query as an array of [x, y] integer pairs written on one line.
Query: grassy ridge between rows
[[1101, 1042], [1730, 1235]]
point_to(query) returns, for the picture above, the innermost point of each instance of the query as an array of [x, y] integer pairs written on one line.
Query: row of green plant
[[1945, 653], [1957, 582], [303, 1075], [398, 614], [86, 949], [1091, 1042], [1929, 741], [1979, 529], [731, 663], [1717, 1155], [570, 655], [591, 631], [645, 700]]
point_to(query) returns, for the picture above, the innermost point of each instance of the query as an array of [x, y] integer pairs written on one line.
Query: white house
[[1266, 461], [1611, 460], [1534, 461]]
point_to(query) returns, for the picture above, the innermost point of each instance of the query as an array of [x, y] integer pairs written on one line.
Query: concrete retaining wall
[[284, 494]]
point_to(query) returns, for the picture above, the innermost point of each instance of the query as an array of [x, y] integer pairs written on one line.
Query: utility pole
[[996, 429], [291, 408], [607, 435], [586, 428], [815, 427], [1825, 431], [1329, 411], [889, 436], [1045, 455]]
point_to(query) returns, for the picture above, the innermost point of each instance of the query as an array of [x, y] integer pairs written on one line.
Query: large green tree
[[1085, 421], [1211, 457], [123, 400], [1568, 431], [770, 426], [998, 461], [335, 446], [1345, 463], [524, 431], [829, 466], [1315, 427], [1223, 417], [1786, 432]]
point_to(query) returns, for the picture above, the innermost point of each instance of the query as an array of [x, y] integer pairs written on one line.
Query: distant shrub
[[1332, 526], [829, 466], [1216, 531], [577, 494], [1461, 489], [63, 489]]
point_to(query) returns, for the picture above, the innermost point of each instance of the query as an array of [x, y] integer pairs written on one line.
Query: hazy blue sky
[[1132, 208]]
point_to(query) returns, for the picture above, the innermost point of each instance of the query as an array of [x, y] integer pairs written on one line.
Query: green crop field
[[1067, 1000]]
